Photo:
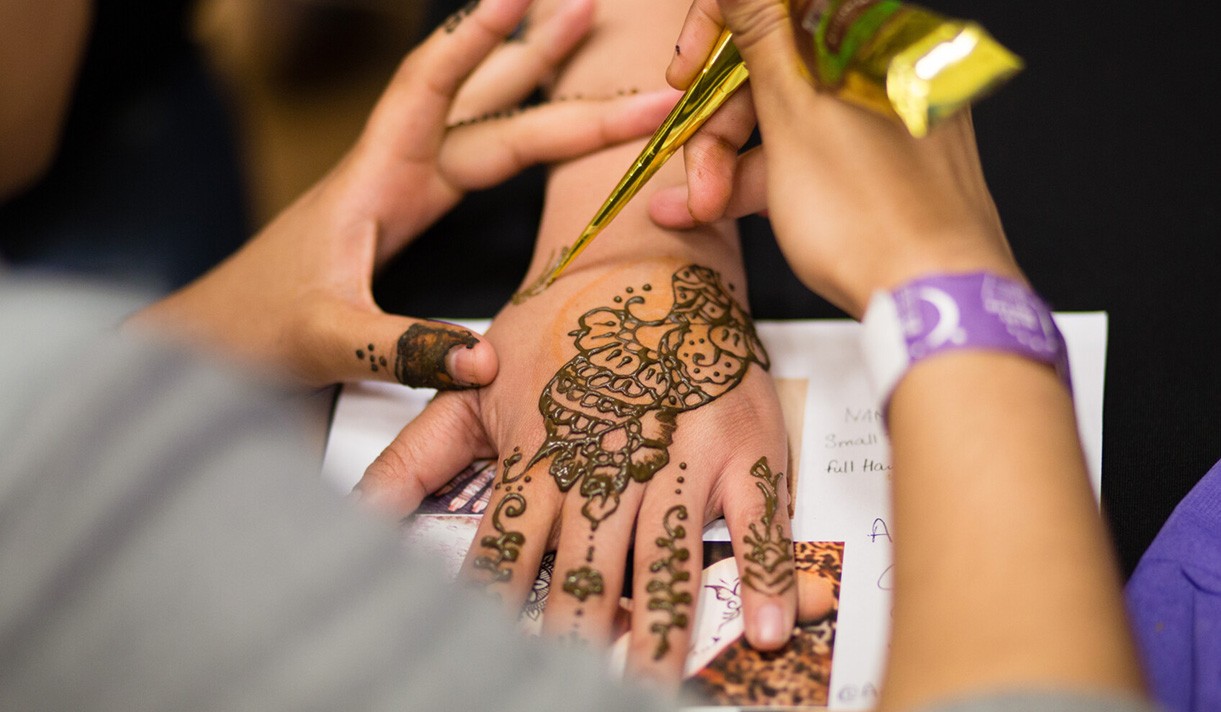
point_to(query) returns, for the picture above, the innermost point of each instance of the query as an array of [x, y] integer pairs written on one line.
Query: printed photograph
[[732, 673], [722, 669]]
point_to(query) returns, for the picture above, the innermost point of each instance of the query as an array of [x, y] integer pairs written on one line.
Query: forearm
[[1003, 573], [622, 55]]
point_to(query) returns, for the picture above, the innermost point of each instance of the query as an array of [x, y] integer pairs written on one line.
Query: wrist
[[632, 237], [902, 261]]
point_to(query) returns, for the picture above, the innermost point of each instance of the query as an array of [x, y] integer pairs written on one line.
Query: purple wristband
[[933, 315]]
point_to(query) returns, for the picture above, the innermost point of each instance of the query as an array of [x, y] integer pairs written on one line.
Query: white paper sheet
[[842, 474]]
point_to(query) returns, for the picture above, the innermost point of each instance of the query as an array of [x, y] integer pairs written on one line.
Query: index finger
[[700, 31], [417, 101]]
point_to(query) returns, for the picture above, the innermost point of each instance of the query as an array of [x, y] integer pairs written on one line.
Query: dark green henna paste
[[421, 356], [508, 544], [583, 583], [611, 411], [507, 467], [536, 287], [665, 593], [770, 570]]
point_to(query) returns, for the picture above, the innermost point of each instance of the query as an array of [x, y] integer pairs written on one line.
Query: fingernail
[[428, 357], [462, 364], [769, 626]]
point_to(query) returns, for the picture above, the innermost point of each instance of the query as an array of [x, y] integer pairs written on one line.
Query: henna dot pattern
[[770, 556], [376, 361]]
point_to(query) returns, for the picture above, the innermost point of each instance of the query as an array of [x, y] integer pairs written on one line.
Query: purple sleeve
[[1174, 599]]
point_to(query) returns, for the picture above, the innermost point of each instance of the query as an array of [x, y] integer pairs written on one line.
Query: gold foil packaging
[[896, 59], [900, 60]]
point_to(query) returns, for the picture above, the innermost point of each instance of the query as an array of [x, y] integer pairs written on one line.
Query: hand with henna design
[[855, 202], [298, 295], [633, 401]]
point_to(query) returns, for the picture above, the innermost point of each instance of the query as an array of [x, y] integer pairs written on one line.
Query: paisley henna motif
[[611, 411]]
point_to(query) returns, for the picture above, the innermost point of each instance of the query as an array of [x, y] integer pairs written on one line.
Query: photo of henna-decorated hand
[[298, 296]]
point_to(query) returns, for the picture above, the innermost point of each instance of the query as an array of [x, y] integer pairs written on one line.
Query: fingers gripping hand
[[622, 432], [465, 69], [719, 184], [298, 296], [518, 67]]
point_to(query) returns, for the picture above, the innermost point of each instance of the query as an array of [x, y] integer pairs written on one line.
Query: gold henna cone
[[722, 74]]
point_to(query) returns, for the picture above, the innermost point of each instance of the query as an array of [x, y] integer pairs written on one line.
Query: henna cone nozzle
[[723, 73]]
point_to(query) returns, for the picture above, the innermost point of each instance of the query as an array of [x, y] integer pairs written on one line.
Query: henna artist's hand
[[856, 203], [298, 295]]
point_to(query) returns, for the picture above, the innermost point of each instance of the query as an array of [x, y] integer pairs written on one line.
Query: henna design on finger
[[451, 23], [518, 110], [663, 594], [421, 356], [376, 362], [770, 551], [611, 411], [583, 582], [508, 545], [506, 470]]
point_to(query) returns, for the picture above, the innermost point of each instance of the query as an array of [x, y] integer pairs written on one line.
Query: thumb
[[444, 438], [763, 33], [669, 207], [347, 344]]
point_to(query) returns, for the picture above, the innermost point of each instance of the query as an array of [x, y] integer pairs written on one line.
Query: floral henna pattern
[[663, 594], [583, 583], [771, 553], [611, 411]]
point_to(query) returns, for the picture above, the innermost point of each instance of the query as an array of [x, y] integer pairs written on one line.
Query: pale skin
[[710, 457], [983, 443], [298, 296]]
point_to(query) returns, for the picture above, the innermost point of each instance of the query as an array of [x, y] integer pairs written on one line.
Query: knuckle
[[753, 21], [392, 471]]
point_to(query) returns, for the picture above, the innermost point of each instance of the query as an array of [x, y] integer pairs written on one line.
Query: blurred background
[[194, 121]]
